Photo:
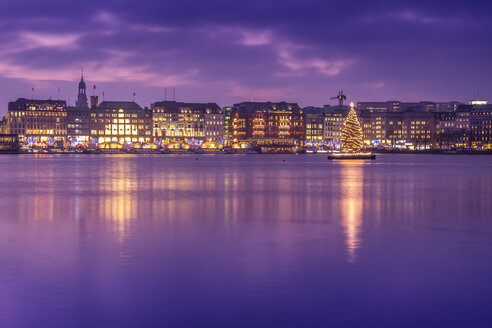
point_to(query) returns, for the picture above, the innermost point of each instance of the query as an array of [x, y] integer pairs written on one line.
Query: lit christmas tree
[[352, 140]]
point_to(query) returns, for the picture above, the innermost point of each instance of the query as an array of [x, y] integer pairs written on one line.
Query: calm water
[[245, 241]]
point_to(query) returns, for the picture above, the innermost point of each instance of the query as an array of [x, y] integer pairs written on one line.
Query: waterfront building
[[334, 120], [4, 127], [268, 123], [447, 132], [398, 106], [463, 126], [9, 143], [189, 122], [383, 129], [404, 130], [481, 127], [37, 121], [227, 133], [120, 121], [78, 117], [314, 120], [78, 124], [418, 130]]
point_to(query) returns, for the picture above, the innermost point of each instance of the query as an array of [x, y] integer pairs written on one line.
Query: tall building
[[37, 120], [120, 121], [82, 96], [275, 122], [190, 122], [227, 133]]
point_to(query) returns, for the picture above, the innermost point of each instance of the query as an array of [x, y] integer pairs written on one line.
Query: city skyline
[[229, 53]]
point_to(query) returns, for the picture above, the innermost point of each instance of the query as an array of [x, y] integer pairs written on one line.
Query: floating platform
[[352, 156]]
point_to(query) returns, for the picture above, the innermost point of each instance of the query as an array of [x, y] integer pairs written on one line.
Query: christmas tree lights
[[352, 140]]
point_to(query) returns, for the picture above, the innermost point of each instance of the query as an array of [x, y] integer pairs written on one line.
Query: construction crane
[[341, 97]]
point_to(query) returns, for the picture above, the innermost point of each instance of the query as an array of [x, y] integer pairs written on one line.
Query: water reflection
[[243, 241], [351, 205]]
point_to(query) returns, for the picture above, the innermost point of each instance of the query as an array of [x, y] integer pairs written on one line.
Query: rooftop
[[119, 105], [262, 106], [175, 107]]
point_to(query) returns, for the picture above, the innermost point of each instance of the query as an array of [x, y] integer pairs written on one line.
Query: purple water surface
[[245, 241]]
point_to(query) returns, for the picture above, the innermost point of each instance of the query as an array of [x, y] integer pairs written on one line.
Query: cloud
[[288, 57], [32, 39], [226, 51], [256, 38], [411, 16]]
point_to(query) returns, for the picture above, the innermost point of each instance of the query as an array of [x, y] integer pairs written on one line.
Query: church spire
[[82, 97]]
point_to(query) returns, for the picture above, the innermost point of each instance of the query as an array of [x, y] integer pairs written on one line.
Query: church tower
[[82, 97]]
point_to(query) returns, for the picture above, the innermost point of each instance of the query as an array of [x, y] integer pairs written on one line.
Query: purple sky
[[229, 51]]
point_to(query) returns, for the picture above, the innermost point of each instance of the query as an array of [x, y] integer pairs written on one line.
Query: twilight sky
[[229, 51]]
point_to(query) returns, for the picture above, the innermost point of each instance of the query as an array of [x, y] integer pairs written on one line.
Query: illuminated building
[[481, 127], [4, 126], [463, 127], [478, 102], [383, 128], [37, 120], [378, 106], [398, 106], [409, 129], [314, 120], [78, 124], [267, 123], [418, 129], [120, 121], [334, 119], [227, 133], [447, 132], [9, 143], [189, 122]]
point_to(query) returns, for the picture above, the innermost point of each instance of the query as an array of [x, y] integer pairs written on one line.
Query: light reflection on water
[[351, 204], [124, 241]]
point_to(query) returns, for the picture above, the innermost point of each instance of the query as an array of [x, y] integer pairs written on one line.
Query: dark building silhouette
[[82, 96]]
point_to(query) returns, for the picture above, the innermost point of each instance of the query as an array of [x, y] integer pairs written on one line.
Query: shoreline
[[375, 152]]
